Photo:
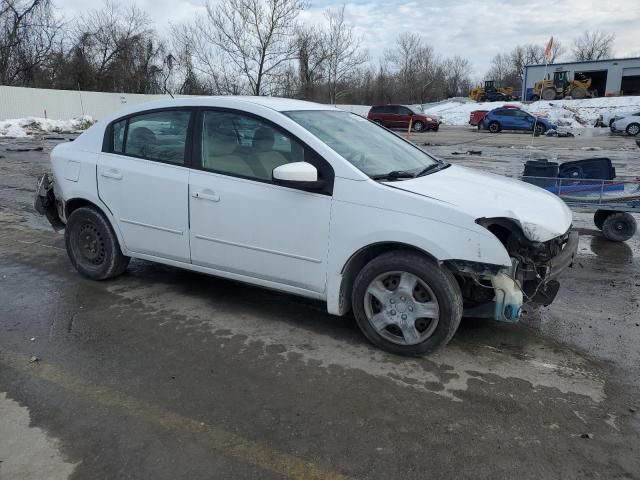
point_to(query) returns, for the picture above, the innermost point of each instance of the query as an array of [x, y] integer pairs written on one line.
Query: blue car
[[515, 119]]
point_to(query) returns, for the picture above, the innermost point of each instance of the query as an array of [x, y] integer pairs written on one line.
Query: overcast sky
[[473, 29]]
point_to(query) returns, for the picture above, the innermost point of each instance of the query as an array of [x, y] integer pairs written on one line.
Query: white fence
[[19, 102]]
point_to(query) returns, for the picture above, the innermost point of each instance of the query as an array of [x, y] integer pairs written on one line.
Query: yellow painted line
[[227, 443]]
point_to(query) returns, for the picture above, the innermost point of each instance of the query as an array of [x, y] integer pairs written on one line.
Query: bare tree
[[415, 65], [28, 33], [254, 35], [199, 56], [502, 69], [312, 59], [457, 81], [109, 39], [594, 45], [344, 54]]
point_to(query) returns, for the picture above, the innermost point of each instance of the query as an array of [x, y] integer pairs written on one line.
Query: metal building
[[617, 76]]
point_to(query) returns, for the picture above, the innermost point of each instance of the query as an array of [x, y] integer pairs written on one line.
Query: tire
[[619, 227], [578, 93], [599, 217], [540, 129], [633, 129], [399, 329], [379, 122], [418, 126], [92, 245], [494, 127], [549, 94], [535, 98]]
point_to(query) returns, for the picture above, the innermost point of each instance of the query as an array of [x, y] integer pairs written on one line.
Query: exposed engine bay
[[497, 292]]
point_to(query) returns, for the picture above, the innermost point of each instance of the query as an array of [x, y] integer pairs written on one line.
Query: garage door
[[631, 85]]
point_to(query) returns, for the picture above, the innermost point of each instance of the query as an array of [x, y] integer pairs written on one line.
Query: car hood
[[541, 215]]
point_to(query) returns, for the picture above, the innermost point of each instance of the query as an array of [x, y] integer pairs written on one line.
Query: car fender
[[355, 226], [75, 177]]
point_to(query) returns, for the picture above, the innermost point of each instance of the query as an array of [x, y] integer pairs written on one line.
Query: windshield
[[370, 148]]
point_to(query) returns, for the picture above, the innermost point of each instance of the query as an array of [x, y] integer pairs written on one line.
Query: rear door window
[[159, 136]]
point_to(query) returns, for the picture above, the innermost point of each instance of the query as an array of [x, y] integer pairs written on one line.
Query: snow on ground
[[565, 113], [25, 127]]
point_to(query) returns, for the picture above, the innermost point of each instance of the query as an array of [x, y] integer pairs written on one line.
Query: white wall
[[19, 102]]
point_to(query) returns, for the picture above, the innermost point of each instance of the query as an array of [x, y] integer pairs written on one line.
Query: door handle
[[212, 197], [112, 173]]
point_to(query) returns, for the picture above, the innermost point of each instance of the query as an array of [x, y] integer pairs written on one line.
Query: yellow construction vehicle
[[489, 93], [560, 87]]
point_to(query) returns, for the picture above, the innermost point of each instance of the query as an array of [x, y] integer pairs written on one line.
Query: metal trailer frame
[[613, 202]]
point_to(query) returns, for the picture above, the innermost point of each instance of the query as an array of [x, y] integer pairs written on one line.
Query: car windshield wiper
[[432, 168], [393, 175]]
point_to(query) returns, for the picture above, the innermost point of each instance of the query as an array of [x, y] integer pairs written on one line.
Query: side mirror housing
[[298, 175]]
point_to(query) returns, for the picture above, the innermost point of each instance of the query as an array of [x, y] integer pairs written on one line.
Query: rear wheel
[[619, 227], [633, 129], [92, 245], [540, 129], [406, 304], [494, 127]]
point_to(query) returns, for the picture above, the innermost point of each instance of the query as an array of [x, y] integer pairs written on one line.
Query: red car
[[476, 117], [398, 116]]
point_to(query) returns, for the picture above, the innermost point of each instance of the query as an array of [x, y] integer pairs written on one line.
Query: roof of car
[[275, 103]]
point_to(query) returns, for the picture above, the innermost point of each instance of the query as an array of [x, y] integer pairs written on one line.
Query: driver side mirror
[[297, 175]]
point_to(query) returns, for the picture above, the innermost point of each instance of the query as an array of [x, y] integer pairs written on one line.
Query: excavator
[[489, 93], [561, 87]]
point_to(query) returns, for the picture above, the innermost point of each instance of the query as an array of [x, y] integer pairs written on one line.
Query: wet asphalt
[[165, 374]]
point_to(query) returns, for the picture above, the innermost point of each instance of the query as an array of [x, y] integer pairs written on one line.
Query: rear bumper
[[45, 201]]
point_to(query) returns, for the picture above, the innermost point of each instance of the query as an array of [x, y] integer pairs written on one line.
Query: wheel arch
[[631, 125], [78, 202], [360, 258], [75, 203]]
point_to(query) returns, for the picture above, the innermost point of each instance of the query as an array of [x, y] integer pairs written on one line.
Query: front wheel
[[619, 227], [406, 304], [92, 245], [418, 126], [633, 129], [600, 216]]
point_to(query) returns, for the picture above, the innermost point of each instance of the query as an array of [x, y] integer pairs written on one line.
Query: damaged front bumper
[[510, 289], [46, 203]]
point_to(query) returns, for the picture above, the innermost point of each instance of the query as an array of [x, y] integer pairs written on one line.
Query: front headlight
[[429, 119]]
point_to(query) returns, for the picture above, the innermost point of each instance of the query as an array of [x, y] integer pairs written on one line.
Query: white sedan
[[311, 200], [629, 124]]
